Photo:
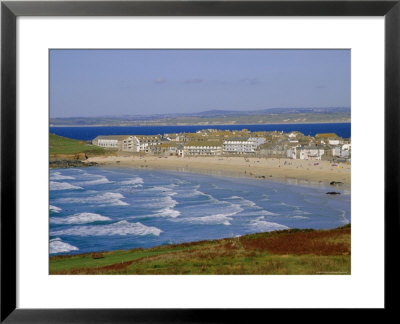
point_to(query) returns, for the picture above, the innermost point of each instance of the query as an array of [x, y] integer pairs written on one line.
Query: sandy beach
[[261, 168]]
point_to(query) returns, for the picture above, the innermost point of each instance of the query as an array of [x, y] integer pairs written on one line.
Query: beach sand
[[261, 168]]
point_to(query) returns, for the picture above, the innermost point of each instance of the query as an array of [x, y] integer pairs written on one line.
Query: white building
[[203, 148], [169, 148], [130, 144], [148, 142], [346, 147], [291, 153], [334, 142], [311, 153], [126, 143], [342, 151], [106, 142], [241, 145], [336, 151]]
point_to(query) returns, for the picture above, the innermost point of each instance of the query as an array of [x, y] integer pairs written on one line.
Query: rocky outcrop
[[70, 164], [77, 156], [336, 183]]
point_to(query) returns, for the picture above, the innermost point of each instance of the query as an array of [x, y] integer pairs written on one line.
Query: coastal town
[[213, 142], [203, 162]]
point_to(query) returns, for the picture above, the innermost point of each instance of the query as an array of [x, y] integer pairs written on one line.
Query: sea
[[88, 133], [100, 209]]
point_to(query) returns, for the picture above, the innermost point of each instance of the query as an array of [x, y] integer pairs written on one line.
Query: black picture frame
[[10, 10]]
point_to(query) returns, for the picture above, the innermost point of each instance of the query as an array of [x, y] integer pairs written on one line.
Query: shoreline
[[196, 242], [298, 171]]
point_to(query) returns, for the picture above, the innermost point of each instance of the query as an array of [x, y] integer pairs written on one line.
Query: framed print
[[163, 158]]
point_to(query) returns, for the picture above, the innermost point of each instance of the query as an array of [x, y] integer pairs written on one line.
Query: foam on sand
[[58, 246], [62, 186], [263, 226], [121, 228], [104, 199], [81, 218]]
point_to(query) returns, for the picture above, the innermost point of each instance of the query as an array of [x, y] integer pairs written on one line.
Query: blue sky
[[134, 82]]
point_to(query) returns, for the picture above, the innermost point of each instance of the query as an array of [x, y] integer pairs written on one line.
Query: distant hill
[[216, 117]]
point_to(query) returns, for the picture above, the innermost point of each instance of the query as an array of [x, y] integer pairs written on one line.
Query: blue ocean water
[[89, 133], [95, 209]]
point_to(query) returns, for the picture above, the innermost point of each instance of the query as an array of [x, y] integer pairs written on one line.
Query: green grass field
[[63, 145], [280, 252]]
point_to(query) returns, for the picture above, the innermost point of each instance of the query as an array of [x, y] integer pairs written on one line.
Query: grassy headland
[[291, 251], [62, 145]]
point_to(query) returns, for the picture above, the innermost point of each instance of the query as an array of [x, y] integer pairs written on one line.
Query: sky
[[90, 83]]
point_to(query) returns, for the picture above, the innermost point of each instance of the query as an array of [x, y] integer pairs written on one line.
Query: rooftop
[[238, 139], [112, 137], [204, 143]]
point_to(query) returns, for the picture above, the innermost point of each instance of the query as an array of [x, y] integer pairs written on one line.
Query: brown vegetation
[[313, 242], [96, 255], [116, 267]]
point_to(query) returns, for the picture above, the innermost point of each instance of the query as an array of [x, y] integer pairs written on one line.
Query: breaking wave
[[222, 218], [97, 179], [161, 188], [105, 199], [212, 219], [59, 176], [244, 202], [263, 226], [81, 218], [300, 217], [121, 228], [54, 209], [58, 246], [343, 217], [62, 186], [168, 212], [251, 204], [133, 181]]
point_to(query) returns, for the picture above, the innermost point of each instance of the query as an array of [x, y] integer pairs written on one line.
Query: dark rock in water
[[333, 193], [335, 183], [70, 164]]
